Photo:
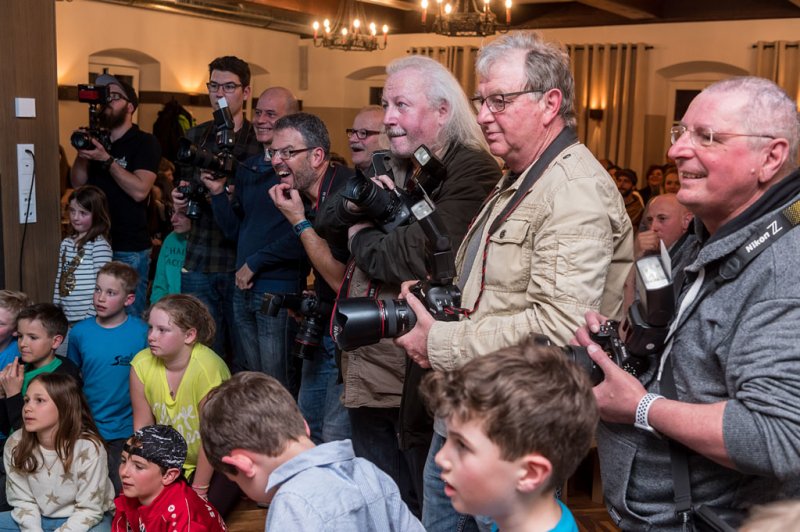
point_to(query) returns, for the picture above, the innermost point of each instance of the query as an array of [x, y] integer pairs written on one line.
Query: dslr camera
[[390, 209], [315, 314], [645, 330], [361, 321], [97, 98], [222, 164]]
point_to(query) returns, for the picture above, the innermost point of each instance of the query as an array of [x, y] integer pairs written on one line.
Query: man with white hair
[[718, 409]]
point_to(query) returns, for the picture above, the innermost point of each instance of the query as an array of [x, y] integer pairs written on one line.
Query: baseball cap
[[159, 444], [127, 90]]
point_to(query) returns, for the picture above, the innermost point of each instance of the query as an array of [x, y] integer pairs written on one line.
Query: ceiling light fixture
[[347, 32], [463, 18]]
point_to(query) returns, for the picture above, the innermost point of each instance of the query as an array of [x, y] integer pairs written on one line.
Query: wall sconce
[[596, 114]]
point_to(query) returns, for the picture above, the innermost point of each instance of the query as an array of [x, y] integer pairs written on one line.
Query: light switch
[[25, 107]]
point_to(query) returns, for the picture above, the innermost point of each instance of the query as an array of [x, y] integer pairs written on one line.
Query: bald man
[[667, 221], [366, 137]]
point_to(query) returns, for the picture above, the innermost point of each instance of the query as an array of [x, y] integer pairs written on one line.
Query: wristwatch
[[643, 409], [108, 162]]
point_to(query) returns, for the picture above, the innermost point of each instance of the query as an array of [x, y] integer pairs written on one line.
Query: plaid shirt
[[207, 249]]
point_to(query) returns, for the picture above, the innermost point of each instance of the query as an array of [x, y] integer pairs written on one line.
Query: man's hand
[[415, 342], [11, 378], [215, 186], [244, 277], [179, 201], [288, 201], [647, 242], [99, 153]]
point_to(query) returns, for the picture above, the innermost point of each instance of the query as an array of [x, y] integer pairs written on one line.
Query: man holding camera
[[714, 425], [551, 242], [208, 270], [301, 157], [269, 257], [126, 172]]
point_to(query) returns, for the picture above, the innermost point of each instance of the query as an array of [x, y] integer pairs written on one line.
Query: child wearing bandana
[[155, 496]]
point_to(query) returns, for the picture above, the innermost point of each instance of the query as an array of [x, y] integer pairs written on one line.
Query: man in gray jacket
[[733, 352]]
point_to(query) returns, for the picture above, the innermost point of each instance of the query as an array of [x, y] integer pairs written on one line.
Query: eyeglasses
[[114, 96], [497, 102], [361, 134], [227, 88], [288, 153], [705, 136]]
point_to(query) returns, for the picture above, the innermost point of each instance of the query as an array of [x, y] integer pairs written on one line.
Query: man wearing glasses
[[126, 173], [723, 393], [301, 157], [208, 271], [366, 137], [551, 243]]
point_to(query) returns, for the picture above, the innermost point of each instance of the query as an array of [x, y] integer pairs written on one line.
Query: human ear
[[551, 104], [775, 155], [535, 471], [241, 461], [190, 336], [57, 339], [170, 476], [129, 299]]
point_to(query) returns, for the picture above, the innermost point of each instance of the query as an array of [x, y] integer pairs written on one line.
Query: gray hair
[[546, 66], [311, 128], [769, 111], [461, 126]]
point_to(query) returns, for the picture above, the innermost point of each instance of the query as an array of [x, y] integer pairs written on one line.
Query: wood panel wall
[[28, 69]]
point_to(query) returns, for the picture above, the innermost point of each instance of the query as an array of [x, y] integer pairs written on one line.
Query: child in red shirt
[[155, 497]]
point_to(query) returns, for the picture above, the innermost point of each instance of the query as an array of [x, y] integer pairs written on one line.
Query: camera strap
[[564, 140]]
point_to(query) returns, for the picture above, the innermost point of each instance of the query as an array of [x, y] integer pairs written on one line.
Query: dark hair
[[93, 200], [231, 63], [188, 312], [74, 422], [250, 411], [122, 272], [528, 398], [629, 174], [51, 317], [311, 128]]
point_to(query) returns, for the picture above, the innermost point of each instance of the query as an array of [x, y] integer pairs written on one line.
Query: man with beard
[[626, 184], [126, 173], [366, 137], [301, 157], [269, 257]]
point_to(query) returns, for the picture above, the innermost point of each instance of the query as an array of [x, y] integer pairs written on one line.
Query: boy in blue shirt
[[519, 422], [11, 303], [102, 346]]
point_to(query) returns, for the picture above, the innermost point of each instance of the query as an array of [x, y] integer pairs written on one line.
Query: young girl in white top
[[170, 379], [56, 464], [82, 253]]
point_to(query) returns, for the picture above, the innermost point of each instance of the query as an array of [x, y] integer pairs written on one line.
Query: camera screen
[[422, 155], [651, 272]]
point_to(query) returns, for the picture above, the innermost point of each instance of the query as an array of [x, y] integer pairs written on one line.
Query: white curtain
[[779, 61], [611, 78], [460, 60]]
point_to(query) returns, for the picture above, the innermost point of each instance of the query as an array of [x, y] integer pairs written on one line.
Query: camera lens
[[81, 140], [580, 356], [361, 321]]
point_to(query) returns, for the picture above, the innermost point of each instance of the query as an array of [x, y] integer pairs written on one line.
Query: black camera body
[[97, 97], [315, 315], [222, 164]]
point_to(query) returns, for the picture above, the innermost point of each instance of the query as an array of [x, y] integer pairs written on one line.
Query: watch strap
[[643, 409]]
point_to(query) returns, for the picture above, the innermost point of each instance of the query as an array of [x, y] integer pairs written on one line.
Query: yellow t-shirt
[[205, 371]]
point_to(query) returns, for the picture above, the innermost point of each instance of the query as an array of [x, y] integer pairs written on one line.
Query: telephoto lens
[[361, 321]]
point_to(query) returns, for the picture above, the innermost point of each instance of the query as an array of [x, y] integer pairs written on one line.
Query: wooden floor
[[591, 517]]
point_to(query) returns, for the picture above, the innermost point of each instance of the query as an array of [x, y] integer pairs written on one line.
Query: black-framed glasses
[[287, 153], [114, 96], [705, 136], [361, 134], [227, 88], [497, 102]]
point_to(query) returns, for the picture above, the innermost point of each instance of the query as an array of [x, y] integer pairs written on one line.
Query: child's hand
[[11, 378]]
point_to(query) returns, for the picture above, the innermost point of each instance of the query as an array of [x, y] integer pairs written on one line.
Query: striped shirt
[[78, 304]]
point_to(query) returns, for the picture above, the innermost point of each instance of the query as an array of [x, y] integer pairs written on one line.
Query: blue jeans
[[263, 339], [139, 261], [50, 524], [319, 395], [438, 514], [216, 291]]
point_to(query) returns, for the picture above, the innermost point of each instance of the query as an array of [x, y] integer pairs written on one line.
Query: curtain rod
[[613, 46], [795, 45]]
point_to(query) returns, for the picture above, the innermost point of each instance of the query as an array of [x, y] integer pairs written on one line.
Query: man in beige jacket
[[542, 251]]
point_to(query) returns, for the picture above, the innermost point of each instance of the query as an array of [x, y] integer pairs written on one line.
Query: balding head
[[369, 120], [274, 103], [667, 218]]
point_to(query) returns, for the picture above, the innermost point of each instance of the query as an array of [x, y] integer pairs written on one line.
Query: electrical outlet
[[25, 183]]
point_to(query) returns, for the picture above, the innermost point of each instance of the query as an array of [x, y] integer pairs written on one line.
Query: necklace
[[49, 468], [66, 282]]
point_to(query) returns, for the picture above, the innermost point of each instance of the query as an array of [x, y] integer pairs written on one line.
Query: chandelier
[[347, 32], [462, 18]]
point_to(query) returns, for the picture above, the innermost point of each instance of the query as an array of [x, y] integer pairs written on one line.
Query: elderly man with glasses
[[208, 270], [125, 171], [552, 242], [715, 424], [366, 137]]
